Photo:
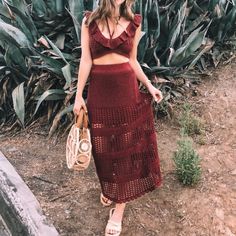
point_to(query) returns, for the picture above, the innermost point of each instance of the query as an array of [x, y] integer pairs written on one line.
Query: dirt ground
[[71, 199]]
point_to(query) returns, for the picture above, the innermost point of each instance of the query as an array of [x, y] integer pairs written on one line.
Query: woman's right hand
[[79, 102]]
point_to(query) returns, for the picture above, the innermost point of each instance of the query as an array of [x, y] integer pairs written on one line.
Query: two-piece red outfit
[[124, 144]]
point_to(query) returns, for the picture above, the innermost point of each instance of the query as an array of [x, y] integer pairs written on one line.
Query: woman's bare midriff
[[111, 58]]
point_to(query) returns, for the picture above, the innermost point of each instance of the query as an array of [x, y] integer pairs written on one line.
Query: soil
[[71, 199]]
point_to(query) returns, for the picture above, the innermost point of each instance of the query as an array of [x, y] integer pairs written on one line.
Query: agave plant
[[178, 33], [40, 50]]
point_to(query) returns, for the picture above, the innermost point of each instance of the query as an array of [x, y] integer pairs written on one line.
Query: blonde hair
[[105, 9]]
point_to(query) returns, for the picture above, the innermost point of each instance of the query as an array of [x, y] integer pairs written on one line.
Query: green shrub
[[190, 124], [187, 163]]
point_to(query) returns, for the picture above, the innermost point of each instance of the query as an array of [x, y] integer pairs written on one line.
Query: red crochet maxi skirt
[[124, 144]]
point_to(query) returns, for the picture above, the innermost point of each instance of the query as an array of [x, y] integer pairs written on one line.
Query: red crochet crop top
[[101, 45]]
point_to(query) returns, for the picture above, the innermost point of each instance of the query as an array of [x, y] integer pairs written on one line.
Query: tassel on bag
[[78, 145]]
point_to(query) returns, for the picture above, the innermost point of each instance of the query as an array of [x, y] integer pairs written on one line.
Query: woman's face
[[119, 2]]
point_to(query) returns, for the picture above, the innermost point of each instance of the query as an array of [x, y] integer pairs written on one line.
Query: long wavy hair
[[105, 9]]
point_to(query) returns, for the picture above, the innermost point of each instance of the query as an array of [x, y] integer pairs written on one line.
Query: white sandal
[[112, 226], [105, 201]]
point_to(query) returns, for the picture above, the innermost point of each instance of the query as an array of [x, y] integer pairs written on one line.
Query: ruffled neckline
[[114, 42], [124, 31]]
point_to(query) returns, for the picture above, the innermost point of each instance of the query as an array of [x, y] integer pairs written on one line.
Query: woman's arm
[[85, 61], [156, 93], [84, 67], [133, 59]]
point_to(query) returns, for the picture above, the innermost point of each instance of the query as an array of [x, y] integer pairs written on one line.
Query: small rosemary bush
[[190, 124], [187, 163]]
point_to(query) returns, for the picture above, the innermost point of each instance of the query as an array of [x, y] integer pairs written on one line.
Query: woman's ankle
[[120, 206], [119, 210]]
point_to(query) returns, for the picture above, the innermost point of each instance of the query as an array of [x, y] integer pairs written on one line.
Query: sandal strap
[[113, 226], [111, 212], [116, 224], [105, 201]]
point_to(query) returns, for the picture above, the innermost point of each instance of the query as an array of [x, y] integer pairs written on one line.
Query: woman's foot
[[105, 201], [114, 227], [118, 212]]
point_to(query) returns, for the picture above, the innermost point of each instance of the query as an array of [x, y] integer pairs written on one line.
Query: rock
[[209, 171], [67, 212], [230, 220], [12, 149], [220, 213], [20, 209], [3, 229], [233, 172], [228, 232]]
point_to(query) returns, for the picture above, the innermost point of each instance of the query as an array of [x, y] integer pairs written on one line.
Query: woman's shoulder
[[137, 19], [87, 13], [136, 22]]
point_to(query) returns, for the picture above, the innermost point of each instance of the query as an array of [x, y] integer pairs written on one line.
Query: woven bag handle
[[82, 119]]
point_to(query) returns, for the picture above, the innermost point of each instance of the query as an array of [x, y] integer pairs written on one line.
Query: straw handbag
[[78, 145]]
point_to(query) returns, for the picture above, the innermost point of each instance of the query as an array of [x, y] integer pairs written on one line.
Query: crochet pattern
[[100, 45], [124, 141]]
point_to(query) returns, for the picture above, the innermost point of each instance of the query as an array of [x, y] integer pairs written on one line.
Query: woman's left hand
[[156, 93]]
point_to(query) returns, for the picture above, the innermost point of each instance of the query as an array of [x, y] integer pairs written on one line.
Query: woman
[[124, 142]]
